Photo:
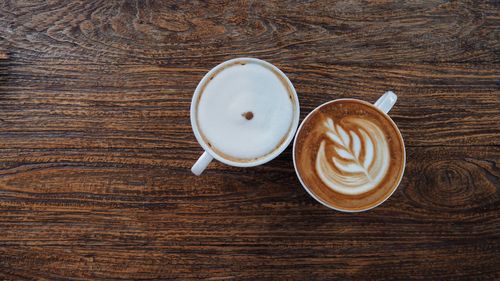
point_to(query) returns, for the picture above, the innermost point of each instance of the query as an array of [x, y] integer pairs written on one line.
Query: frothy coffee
[[246, 110], [349, 155]]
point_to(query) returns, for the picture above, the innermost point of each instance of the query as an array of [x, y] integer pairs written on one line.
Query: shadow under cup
[[314, 145]]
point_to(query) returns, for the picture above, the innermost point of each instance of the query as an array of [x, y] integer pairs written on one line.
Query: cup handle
[[202, 163], [386, 101]]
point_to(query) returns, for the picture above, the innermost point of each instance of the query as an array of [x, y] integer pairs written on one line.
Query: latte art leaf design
[[349, 148], [360, 160]]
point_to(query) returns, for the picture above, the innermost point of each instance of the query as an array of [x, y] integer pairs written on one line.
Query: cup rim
[[258, 161], [317, 198]]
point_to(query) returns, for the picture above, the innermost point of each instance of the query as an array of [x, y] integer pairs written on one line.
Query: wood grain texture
[[96, 143]]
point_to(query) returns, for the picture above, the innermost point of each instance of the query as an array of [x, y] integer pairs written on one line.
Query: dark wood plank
[[195, 33], [93, 106], [84, 218], [96, 145]]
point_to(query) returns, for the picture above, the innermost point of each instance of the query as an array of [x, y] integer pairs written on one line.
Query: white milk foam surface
[[235, 91]]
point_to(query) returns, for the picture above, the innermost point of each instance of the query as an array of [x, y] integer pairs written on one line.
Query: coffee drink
[[246, 110], [349, 155]]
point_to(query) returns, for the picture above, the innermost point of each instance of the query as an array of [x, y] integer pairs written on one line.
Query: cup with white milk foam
[[244, 113]]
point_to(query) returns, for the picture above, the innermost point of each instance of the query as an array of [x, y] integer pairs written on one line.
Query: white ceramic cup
[[384, 104], [209, 153]]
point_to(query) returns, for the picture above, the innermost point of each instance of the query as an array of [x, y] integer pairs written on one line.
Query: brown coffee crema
[[350, 155]]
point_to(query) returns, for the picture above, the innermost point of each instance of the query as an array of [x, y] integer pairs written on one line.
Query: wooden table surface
[[96, 144]]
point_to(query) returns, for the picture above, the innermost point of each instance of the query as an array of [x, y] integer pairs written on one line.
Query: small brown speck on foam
[[248, 115]]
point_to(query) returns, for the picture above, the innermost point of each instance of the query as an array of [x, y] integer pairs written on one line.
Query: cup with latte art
[[349, 155]]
